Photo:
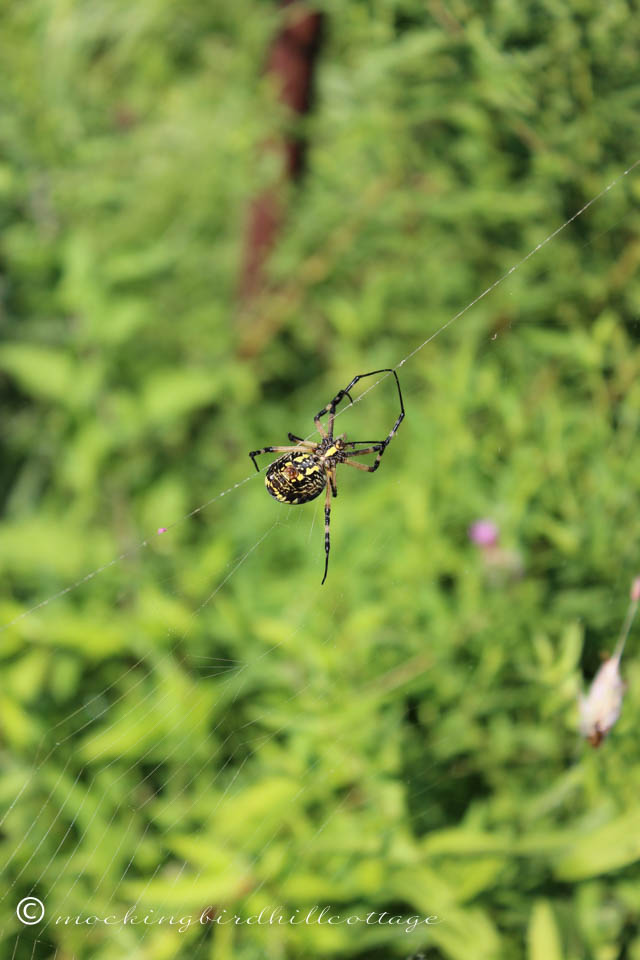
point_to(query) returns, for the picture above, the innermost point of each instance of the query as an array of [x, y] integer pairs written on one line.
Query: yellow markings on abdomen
[[295, 479]]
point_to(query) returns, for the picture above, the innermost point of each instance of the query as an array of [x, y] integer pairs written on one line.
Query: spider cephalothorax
[[308, 468]]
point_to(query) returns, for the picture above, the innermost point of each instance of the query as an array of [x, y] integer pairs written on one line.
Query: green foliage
[[200, 723]]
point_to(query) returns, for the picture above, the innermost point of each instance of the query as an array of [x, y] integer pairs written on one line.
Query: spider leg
[[331, 410], [353, 443], [332, 481], [302, 444], [257, 453], [327, 539], [361, 376], [359, 466], [378, 448]]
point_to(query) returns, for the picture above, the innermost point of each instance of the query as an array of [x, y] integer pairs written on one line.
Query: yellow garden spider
[[308, 468]]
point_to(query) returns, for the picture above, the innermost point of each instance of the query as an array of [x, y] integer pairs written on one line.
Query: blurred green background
[[201, 723]]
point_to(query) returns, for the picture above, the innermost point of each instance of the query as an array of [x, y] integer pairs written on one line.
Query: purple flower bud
[[484, 533], [635, 589]]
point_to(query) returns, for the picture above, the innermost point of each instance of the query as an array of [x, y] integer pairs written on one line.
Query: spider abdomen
[[296, 478]]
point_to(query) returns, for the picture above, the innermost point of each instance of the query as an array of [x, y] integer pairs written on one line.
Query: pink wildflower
[[484, 533], [501, 565]]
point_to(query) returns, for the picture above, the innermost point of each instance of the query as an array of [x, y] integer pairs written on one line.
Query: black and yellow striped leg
[[331, 410], [332, 481], [257, 453], [359, 466], [327, 539], [331, 407], [379, 448]]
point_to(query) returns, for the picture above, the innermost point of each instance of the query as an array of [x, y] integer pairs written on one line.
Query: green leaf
[[603, 850], [42, 372], [543, 936]]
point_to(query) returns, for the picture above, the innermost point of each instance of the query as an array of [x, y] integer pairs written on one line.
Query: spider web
[[240, 483], [233, 679]]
